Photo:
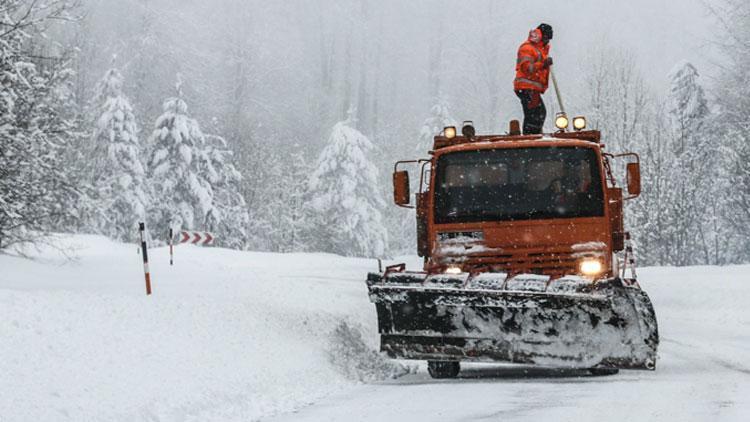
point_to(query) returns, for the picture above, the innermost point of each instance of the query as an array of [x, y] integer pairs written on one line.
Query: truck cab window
[[518, 184]]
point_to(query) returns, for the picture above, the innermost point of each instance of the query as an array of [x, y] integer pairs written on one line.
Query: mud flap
[[608, 325]]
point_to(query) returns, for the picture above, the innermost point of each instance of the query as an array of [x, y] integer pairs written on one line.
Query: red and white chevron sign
[[196, 238]]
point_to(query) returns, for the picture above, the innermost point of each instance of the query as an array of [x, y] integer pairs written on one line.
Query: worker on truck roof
[[532, 74]]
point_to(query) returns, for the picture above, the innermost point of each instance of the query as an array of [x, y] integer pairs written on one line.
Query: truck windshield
[[518, 184]]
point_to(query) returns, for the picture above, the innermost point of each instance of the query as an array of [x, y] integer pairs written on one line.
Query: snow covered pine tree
[[183, 171], [289, 219], [295, 182], [117, 171], [345, 196], [182, 197], [280, 212], [228, 218], [691, 179], [438, 119], [732, 97]]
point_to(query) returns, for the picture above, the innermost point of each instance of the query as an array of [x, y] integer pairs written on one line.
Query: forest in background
[[276, 124]]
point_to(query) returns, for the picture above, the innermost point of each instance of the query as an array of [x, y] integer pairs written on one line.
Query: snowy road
[[687, 387], [244, 336], [703, 373]]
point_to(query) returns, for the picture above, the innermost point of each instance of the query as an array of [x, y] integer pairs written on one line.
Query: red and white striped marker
[[142, 229], [196, 238]]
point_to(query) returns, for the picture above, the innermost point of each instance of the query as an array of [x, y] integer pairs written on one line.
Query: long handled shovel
[[561, 114]]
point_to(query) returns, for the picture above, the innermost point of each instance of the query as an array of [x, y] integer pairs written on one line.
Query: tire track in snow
[[712, 357]]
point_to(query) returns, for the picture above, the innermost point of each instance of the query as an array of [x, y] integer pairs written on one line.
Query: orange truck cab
[[536, 204]]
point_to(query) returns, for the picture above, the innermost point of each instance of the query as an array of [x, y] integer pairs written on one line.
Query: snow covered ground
[[255, 336]]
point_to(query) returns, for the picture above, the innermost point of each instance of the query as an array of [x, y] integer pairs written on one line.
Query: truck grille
[[517, 261]]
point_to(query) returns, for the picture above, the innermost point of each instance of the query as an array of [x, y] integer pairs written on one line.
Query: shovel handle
[[557, 90]]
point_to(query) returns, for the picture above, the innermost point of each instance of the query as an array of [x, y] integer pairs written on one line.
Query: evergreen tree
[[688, 107], [117, 169], [196, 185], [183, 197], [35, 189], [280, 213], [291, 212], [261, 190], [730, 129], [438, 119], [686, 228], [228, 217], [675, 221], [345, 197], [81, 209], [620, 103]]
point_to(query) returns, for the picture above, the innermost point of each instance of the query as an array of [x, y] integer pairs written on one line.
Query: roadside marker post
[[142, 229], [171, 246]]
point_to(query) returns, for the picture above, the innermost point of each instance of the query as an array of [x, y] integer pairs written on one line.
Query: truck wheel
[[443, 369], [603, 371]]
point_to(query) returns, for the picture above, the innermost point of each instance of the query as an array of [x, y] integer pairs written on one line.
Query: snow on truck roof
[[580, 138]]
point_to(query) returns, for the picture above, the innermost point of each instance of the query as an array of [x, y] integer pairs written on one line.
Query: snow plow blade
[[568, 322]]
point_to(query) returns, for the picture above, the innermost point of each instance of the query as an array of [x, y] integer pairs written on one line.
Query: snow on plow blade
[[567, 322]]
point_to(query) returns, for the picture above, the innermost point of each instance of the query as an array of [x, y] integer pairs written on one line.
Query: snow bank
[[226, 335]]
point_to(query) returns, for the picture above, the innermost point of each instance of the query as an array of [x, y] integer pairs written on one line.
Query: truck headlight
[[579, 123], [590, 267], [453, 269], [449, 132], [561, 121]]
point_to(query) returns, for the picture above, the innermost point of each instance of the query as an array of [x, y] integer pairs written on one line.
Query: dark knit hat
[[546, 31]]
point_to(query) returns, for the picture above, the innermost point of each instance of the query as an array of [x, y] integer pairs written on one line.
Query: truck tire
[[443, 369], [603, 371]]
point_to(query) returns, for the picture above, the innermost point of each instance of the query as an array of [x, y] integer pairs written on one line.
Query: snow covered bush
[[345, 198], [35, 189]]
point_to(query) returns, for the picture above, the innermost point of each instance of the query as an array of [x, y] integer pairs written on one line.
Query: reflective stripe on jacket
[[530, 71]]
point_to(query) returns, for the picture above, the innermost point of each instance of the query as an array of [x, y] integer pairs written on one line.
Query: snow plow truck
[[526, 258]]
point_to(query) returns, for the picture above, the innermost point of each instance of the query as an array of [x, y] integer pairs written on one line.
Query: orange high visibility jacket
[[530, 71]]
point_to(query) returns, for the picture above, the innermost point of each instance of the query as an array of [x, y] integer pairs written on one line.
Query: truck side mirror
[[634, 179], [401, 188]]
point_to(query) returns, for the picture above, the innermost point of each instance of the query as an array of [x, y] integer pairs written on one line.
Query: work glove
[[547, 62]]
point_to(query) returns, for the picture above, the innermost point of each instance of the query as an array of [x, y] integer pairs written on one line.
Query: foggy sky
[[379, 51]]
